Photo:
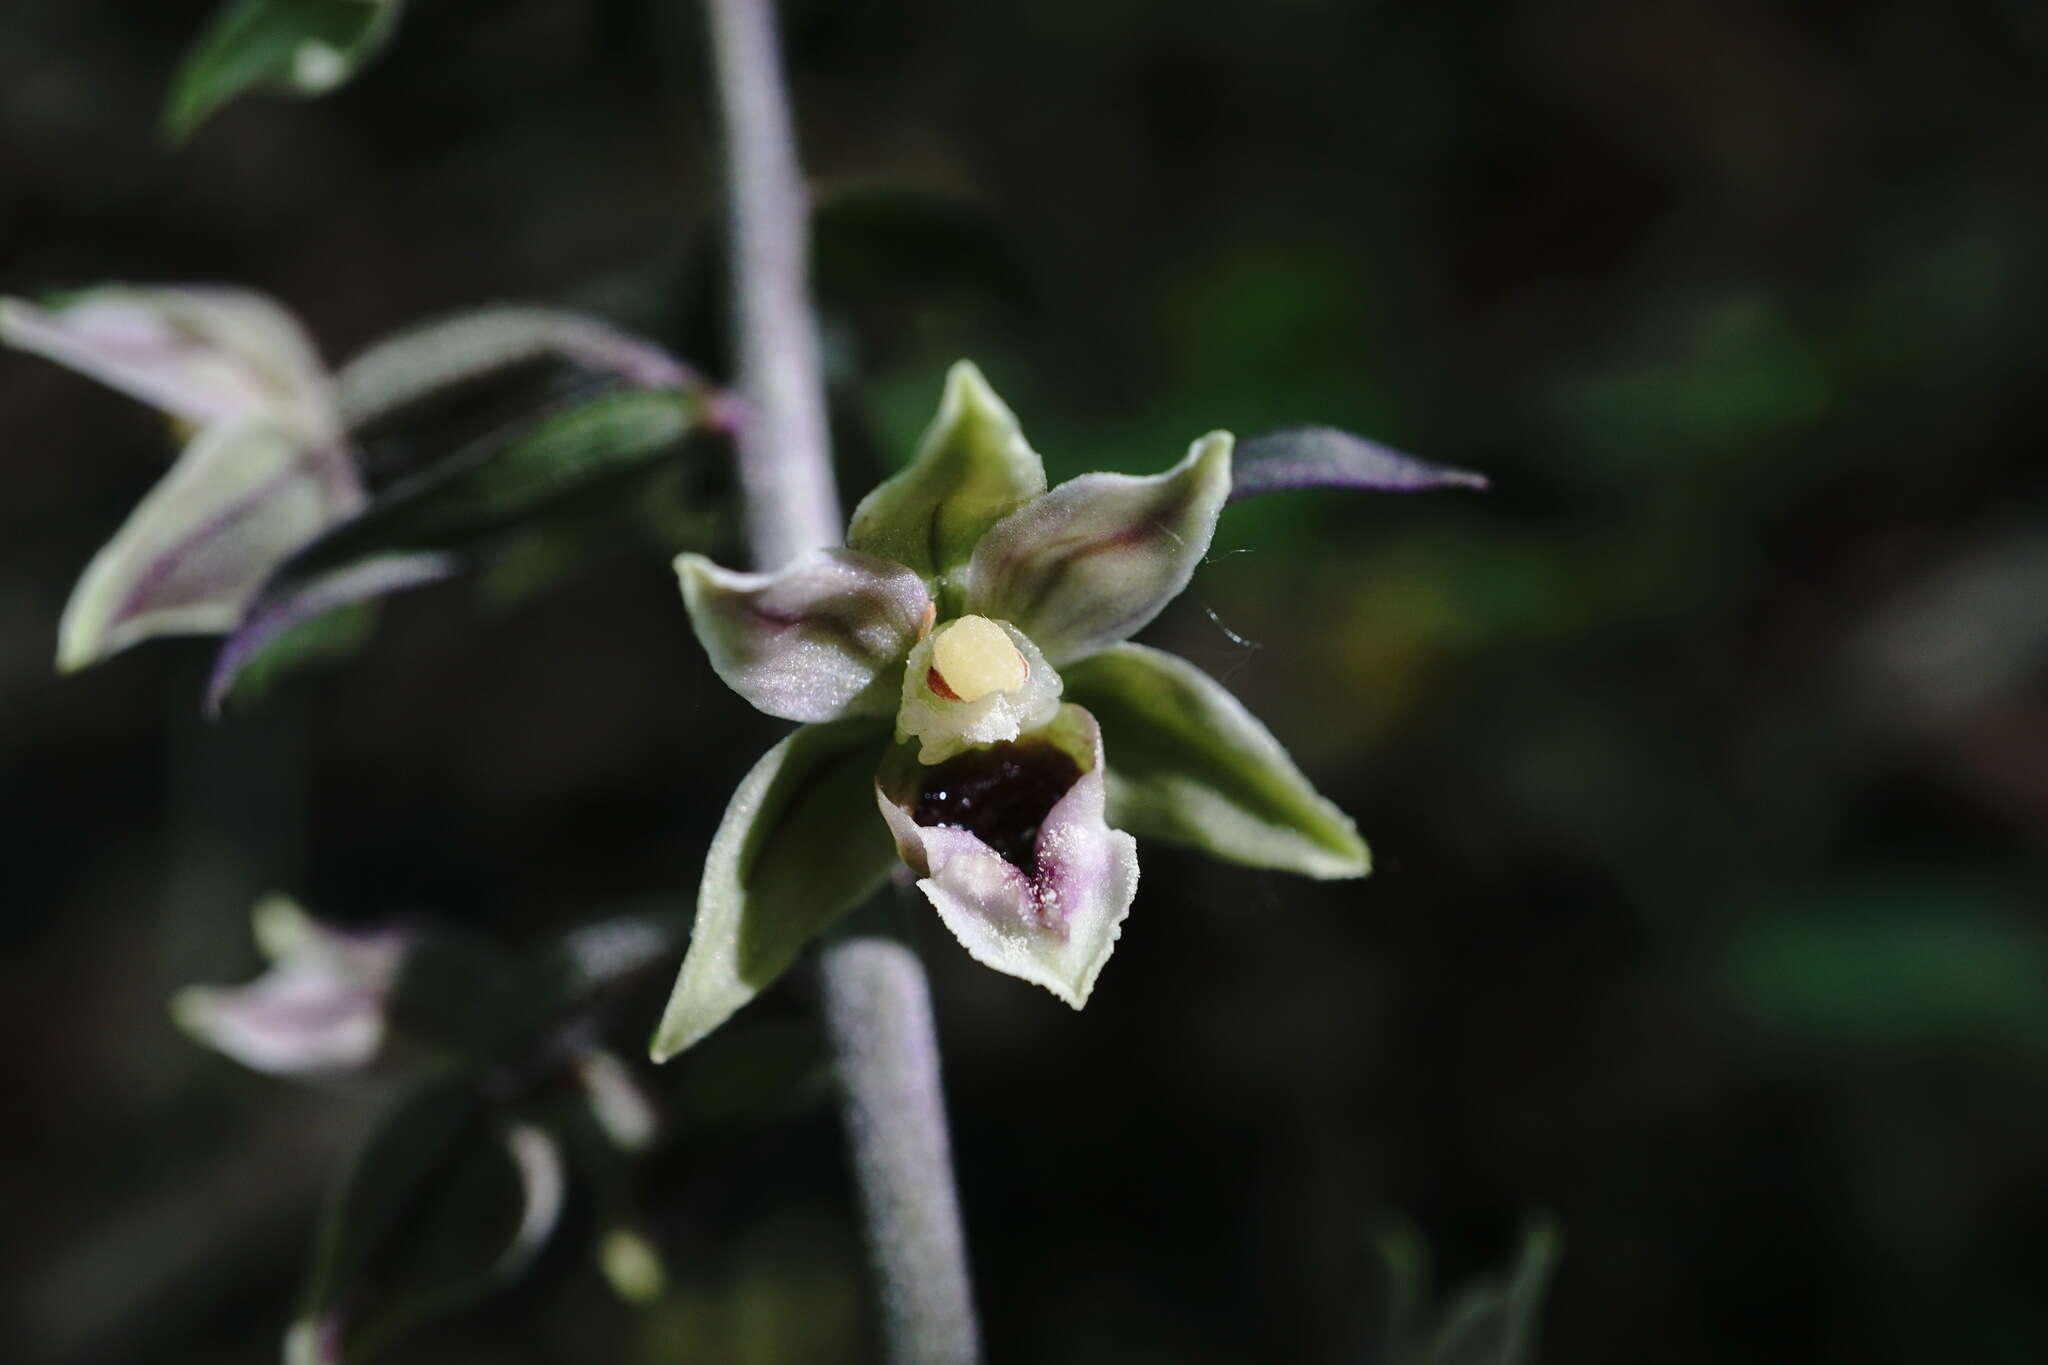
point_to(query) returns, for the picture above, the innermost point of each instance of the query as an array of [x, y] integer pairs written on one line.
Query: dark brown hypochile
[[1000, 794]]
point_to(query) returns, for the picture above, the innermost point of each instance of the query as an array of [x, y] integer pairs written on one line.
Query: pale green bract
[[1001, 797]]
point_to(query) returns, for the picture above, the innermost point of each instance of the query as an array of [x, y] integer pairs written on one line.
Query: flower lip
[[1000, 794]]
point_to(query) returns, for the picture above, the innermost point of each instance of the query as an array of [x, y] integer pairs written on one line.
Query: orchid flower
[[972, 708]]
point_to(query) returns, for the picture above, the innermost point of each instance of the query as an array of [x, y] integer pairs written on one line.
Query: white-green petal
[[241, 498], [820, 638], [1093, 561], [972, 468], [1189, 764], [944, 727], [798, 847], [1056, 923], [204, 354]]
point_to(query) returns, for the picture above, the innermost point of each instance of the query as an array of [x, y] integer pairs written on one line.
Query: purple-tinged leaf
[[242, 498], [1093, 561], [422, 362], [201, 353], [1011, 848], [268, 622], [1324, 457], [820, 638]]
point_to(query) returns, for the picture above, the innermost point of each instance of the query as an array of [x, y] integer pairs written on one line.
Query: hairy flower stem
[[879, 1013], [877, 1006], [785, 462]]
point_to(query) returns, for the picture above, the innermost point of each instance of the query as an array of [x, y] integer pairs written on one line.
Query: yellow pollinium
[[974, 657]]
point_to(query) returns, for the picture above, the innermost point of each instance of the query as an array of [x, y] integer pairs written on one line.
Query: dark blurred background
[[1705, 759]]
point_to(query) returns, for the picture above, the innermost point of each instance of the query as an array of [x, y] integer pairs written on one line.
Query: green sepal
[[1093, 561], [973, 468], [1188, 764], [799, 845]]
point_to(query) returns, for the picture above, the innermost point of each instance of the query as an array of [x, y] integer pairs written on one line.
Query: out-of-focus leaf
[[193, 554], [200, 353], [1189, 764], [1884, 964], [875, 245], [1496, 1324], [447, 1199], [1406, 1262], [1490, 1322], [1324, 457], [426, 361], [457, 998], [746, 1075], [293, 47], [424, 527], [800, 844]]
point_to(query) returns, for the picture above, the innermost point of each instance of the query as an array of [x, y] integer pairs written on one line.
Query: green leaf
[[426, 526], [1189, 764], [800, 844], [1093, 561], [972, 469], [447, 1199], [292, 47]]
